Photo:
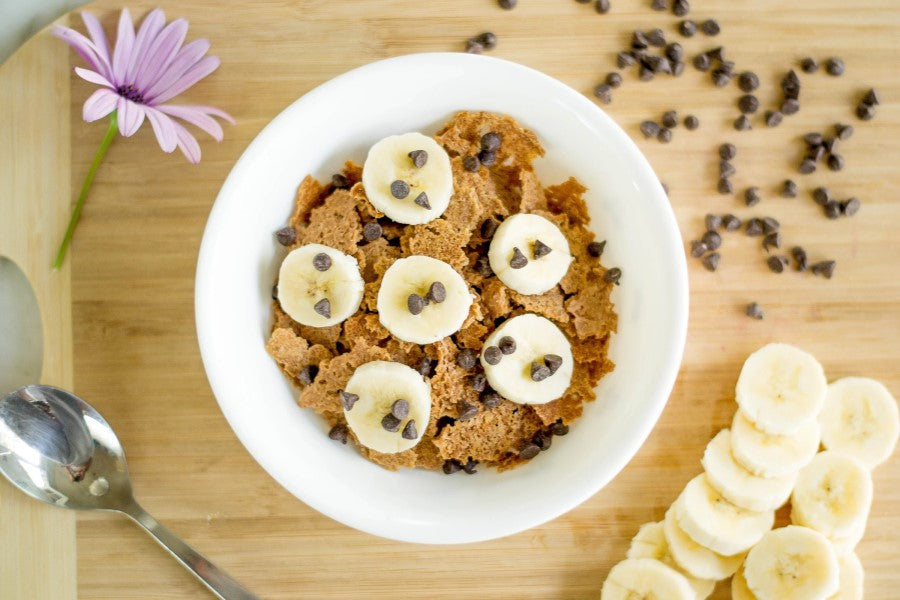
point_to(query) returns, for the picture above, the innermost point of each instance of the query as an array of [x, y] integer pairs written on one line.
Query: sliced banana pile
[[528, 360], [387, 406], [319, 285], [721, 523], [422, 299], [408, 178], [529, 253]]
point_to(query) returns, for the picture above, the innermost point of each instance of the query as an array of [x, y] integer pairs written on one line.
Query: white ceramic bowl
[[340, 119]]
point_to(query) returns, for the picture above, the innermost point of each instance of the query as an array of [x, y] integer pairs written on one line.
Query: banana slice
[[650, 542], [714, 522], [697, 560], [739, 589], [529, 253], [847, 544], [832, 495], [860, 418], [387, 405], [781, 388], [422, 300], [528, 360], [769, 455], [408, 178], [738, 485], [319, 286], [645, 579], [792, 562], [851, 578]]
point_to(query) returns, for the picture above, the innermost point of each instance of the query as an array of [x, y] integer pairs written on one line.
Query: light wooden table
[[136, 355]]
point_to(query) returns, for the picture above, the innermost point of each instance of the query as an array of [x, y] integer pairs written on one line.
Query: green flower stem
[[85, 188]]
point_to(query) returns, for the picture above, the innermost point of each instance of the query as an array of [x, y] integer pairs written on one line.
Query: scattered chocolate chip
[[777, 263], [488, 227], [487, 39], [348, 400], [487, 157], [832, 209], [452, 466], [773, 118], [470, 163], [507, 4], [726, 169], [721, 77], [595, 249], [807, 166], [469, 467], [424, 367], [809, 65], [825, 267], [603, 92], [813, 139], [754, 227], [742, 123], [507, 345], [691, 122], [624, 59], [650, 129], [639, 40], [539, 371], [835, 162], [731, 222], [799, 255], [436, 292], [790, 189], [698, 248], [286, 236], [419, 158], [518, 259], [687, 28], [674, 52], [717, 53], [871, 98], [340, 182], [834, 66], [307, 374], [790, 107], [817, 153], [656, 38], [399, 189], [467, 411], [529, 451], [602, 6], [712, 222], [492, 355], [323, 307], [821, 195], [712, 240], [275, 292], [613, 275], [751, 196], [748, 104], [473, 46], [665, 188], [830, 145], [321, 262], [850, 207], [543, 441], [409, 431], [790, 84], [659, 5], [748, 81], [843, 132], [865, 112], [772, 240], [553, 362], [710, 27], [466, 358], [658, 64], [490, 400], [769, 225], [725, 186], [490, 141], [754, 311], [372, 231], [339, 433], [664, 135], [478, 382], [390, 423], [400, 408], [559, 429], [680, 8], [540, 249], [613, 80], [670, 119], [711, 262], [483, 266], [702, 62], [415, 303]]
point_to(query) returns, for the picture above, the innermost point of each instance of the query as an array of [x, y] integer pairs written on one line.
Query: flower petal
[[164, 128], [131, 116], [82, 46], [95, 30], [184, 60], [93, 77], [124, 44], [195, 115], [150, 28], [164, 49], [101, 103], [204, 67], [187, 143]]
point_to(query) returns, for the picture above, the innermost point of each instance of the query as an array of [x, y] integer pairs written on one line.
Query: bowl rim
[[679, 301]]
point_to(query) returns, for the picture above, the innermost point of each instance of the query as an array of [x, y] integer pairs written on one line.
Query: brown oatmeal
[[579, 304]]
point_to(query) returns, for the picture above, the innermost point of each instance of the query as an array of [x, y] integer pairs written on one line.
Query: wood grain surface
[[136, 356]]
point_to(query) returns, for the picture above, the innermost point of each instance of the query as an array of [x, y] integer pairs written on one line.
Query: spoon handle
[[217, 580]]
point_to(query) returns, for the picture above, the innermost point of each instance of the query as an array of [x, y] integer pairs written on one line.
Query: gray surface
[[20, 19]]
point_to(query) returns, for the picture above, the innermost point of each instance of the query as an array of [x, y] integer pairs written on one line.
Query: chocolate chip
[[712, 240], [530, 451], [754, 311], [680, 8], [658, 64], [507, 345], [832, 209], [773, 118], [691, 122], [834, 66], [687, 28], [777, 263], [649, 129], [470, 163], [487, 39], [866, 112], [483, 266], [418, 157], [843, 132], [807, 166], [275, 292], [809, 65], [674, 52], [466, 358], [541, 249], [711, 262], [487, 157], [490, 400], [425, 367], [712, 222], [602, 6], [603, 92], [799, 255], [639, 40], [543, 441], [725, 186], [436, 292], [769, 225], [821, 195], [624, 59], [825, 267], [372, 231], [790, 107], [488, 227], [751, 196], [835, 162], [871, 98], [307, 374], [340, 182], [595, 249], [490, 141], [772, 240], [850, 207], [467, 411], [400, 409], [518, 259], [710, 27], [727, 151], [321, 262], [613, 80], [748, 81], [754, 227], [469, 467], [817, 153], [399, 189], [613, 275], [664, 135], [670, 119], [323, 307], [390, 423], [656, 38], [553, 362], [813, 139], [559, 429], [731, 222], [473, 46], [790, 189], [702, 62], [415, 303], [665, 188], [339, 433], [478, 382], [348, 400], [452, 466], [286, 236], [726, 65], [492, 355], [659, 5], [409, 431], [721, 77], [748, 104], [726, 169], [790, 84], [698, 248]]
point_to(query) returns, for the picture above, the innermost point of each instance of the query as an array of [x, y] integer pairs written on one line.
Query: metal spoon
[[55, 447]]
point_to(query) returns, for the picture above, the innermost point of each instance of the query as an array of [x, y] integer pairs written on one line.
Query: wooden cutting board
[[136, 355]]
